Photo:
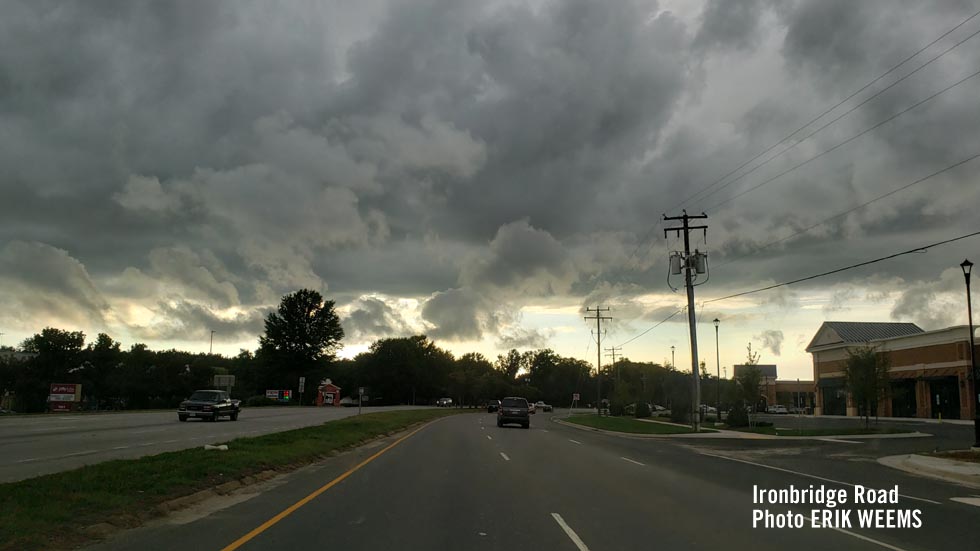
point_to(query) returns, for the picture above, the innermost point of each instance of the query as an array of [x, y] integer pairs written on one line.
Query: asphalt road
[[463, 483], [41, 444]]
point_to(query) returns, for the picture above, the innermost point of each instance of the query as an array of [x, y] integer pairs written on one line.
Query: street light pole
[[672, 356], [211, 347], [967, 266], [717, 375]]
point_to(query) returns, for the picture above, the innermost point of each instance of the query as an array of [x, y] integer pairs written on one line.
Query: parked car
[[705, 408], [209, 405], [444, 402], [542, 406], [514, 410], [777, 409], [531, 408], [493, 405]]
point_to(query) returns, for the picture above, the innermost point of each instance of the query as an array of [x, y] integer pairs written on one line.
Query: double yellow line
[[292, 508]]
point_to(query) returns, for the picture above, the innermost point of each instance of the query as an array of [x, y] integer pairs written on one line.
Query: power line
[[852, 209], [851, 267], [658, 324], [847, 141], [841, 102]]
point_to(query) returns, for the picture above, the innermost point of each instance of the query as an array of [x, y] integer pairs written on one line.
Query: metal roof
[[863, 331]]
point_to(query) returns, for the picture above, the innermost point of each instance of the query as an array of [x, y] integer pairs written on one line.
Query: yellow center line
[[292, 508]]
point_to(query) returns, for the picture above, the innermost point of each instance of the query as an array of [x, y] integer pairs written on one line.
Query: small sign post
[[360, 397], [302, 386]]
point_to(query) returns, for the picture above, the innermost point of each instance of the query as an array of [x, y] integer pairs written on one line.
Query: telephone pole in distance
[[613, 351], [598, 317]]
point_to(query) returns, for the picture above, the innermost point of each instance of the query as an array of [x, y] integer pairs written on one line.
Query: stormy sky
[[482, 171]]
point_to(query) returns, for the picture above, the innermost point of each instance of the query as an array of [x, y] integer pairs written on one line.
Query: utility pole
[[211, 347], [612, 352], [672, 364], [690, 263], [598, 317]]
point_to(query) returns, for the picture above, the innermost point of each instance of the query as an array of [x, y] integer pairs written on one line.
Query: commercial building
[[789, 393], [929, 370]]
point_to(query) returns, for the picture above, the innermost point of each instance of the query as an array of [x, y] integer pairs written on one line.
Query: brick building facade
[[929, 370]]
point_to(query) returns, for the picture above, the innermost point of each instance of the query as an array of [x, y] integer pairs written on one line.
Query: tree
[[304, 327], [866, 378], [299, 337], [753, 357], [747, 392]]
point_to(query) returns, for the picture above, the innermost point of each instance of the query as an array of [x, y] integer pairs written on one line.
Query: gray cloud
[[772, 339], [372, 318], [189, 321], [479, 154], [521, 338]]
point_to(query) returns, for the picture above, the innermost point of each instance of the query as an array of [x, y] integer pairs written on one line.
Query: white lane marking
[[807, 475], [121, 448], [147, 443], [867, 539], [570, 533], [504, 455], [975, 501], [544, 430], [839, 440], [631, 461], [575, 441], [489, 437], [169, 441], [481, 428]]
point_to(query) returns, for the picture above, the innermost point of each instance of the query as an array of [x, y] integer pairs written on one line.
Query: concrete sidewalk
[[950, 470]]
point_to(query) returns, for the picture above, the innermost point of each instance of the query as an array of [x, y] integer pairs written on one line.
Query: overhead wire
[[845, 100], [855, 208], [846, 141], [851, 267]]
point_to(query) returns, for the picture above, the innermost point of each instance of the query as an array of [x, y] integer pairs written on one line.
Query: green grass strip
[[626, 424], [51, 511]]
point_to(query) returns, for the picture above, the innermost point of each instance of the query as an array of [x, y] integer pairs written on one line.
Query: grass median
[[53, 511], [818, 432], [626, 424]]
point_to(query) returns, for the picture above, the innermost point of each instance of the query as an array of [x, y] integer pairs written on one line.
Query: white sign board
[[272, 394], [302, 384], [575, 396], [224, 380], [360, 391]]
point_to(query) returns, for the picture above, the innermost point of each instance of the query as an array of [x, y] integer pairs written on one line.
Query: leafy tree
[[747, 390], [866, 378], [299, 338], [512, 364], [753, 357]]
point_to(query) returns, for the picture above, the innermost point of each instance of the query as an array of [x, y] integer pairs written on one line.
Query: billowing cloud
[[374, 318], [522, 338], [772, 339]]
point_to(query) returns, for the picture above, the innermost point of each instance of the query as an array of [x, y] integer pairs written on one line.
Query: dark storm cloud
[[473, 155], [37, 280]]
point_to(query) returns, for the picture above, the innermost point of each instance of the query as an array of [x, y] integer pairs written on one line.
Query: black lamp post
[[717, 375], [967, 266]]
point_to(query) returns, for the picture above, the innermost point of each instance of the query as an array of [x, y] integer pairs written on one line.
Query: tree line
[[301, 339]]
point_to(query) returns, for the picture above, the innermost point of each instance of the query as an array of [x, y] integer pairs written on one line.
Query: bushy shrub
[[616, 409], [643, 410], [737, 416], [679, 415]]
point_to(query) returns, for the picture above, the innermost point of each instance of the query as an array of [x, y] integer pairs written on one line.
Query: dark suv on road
[[514, 410]]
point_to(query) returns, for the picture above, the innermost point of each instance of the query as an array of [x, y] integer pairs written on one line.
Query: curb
[[948, 470], [628, 434]]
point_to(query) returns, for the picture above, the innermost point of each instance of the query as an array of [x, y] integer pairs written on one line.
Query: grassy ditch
[[626, 424], [52, 511]]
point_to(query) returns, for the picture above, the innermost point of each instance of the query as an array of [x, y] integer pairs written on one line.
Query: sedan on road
[[514, 410], [493, 405], [543, 406]]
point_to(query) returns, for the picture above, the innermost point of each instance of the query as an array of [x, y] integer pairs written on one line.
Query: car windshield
[[514, 403], [205, 396]]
